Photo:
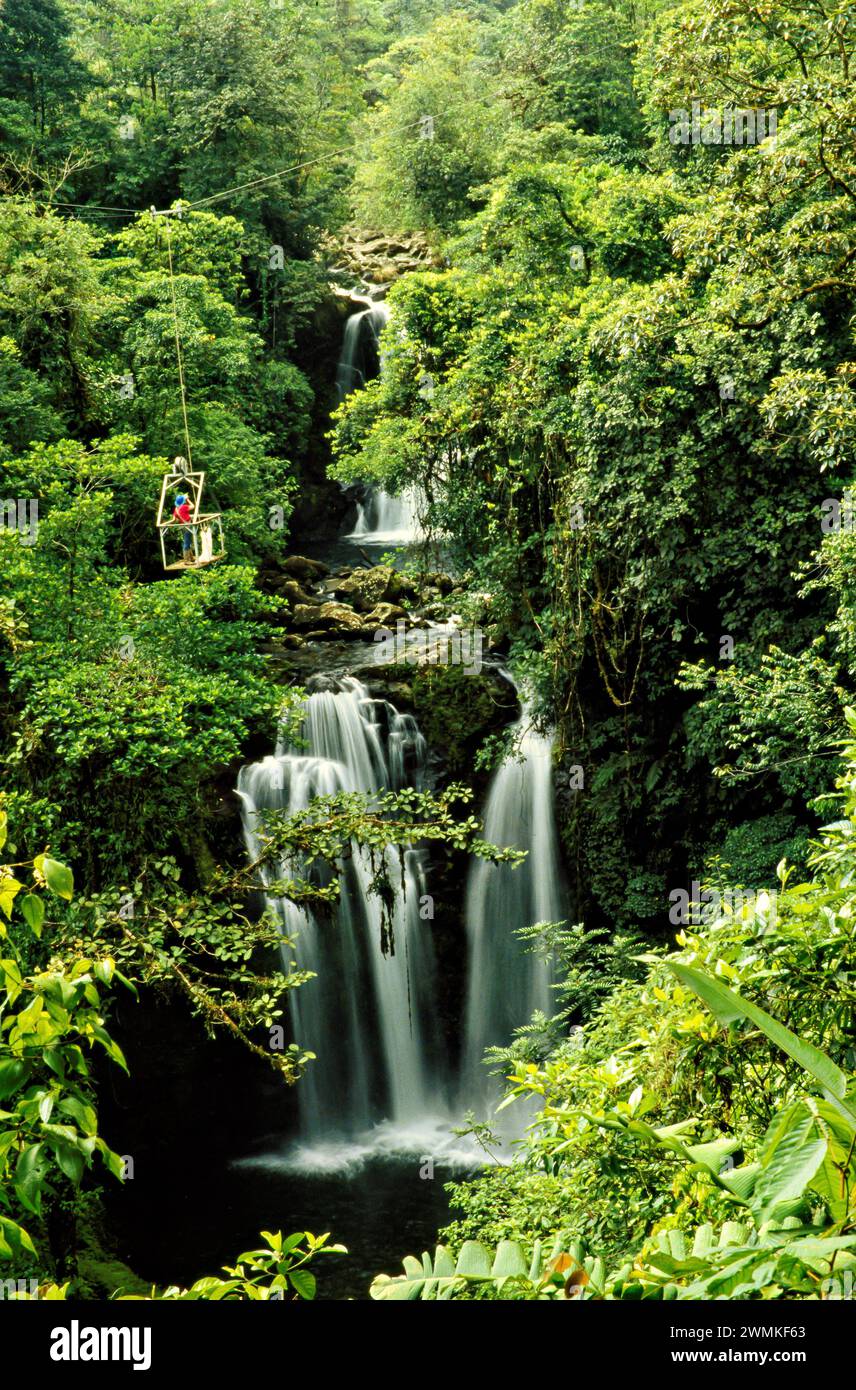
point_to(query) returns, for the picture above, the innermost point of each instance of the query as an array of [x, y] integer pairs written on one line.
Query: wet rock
[[402, 586], [382, 615], [379, 259], [287, 641], [299, 567], [324, 616], [292, 590], [367, 588]]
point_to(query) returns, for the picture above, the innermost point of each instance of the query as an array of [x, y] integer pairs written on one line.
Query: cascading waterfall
[[384, 518], [369, 1017], [360, 346], [381, 517], [507, 982]]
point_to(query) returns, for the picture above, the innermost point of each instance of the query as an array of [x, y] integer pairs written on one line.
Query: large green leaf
[[441, 1277], [791, 1154], [33, 912], [13, 1072], [58, 877], [729, 1007], [304, 1282]]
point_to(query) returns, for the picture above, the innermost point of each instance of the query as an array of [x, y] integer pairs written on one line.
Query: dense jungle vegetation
[[624, 386]]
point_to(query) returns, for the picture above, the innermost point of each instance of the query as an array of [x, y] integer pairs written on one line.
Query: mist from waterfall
[[382, 517], [370, 1018]]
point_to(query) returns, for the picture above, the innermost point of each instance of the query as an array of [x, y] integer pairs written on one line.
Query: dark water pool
[[188, 1227], [211, 1134]]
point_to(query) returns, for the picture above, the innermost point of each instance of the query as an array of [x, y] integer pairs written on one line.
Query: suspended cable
[[213, 197], [94, 208], [89, 207], [292, 169]]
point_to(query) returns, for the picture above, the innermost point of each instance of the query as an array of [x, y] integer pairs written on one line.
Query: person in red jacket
[[182, 512]]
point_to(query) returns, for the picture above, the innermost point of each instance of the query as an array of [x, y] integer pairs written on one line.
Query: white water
[[506, 982], [381, 517], [431, 1136], [351, 372], [369, 1017]]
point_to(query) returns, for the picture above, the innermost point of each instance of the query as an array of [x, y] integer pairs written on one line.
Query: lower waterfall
[[506, 982], [380, 1078], [384, 518], [370, 1018]]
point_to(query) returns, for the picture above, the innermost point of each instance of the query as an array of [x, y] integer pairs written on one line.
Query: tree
[[414, 175], [41, 80]]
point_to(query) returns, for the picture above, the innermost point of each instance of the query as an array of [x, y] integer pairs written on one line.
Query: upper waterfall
[[360, 355], [382, 518]]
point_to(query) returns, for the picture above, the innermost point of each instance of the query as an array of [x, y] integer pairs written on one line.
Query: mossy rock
[[100, 1279], [100, 1273], [455, 711]]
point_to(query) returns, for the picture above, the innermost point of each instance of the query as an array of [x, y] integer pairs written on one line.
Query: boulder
[[366, 588], [299, 567], [325, 616], [401, 586], [383, 615], [377, 258], [291, 590]]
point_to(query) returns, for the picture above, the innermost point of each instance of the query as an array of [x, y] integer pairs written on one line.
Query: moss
[[454, 710], [100, 1273], [100, 1279]]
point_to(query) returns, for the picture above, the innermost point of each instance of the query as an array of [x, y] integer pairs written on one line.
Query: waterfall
[[360, 355], [381, 517], [507, 983], [370, 1018]]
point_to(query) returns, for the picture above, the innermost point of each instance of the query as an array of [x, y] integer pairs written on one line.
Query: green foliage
[[41, 80], [51, 1021], [641, 372], [452, 708], [641, 357], [406, 180], [643, 1107], [127, 699], [507, 1270], [276, 1271]]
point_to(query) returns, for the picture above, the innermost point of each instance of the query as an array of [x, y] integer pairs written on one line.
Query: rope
[[200, 203], [178, 343]]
